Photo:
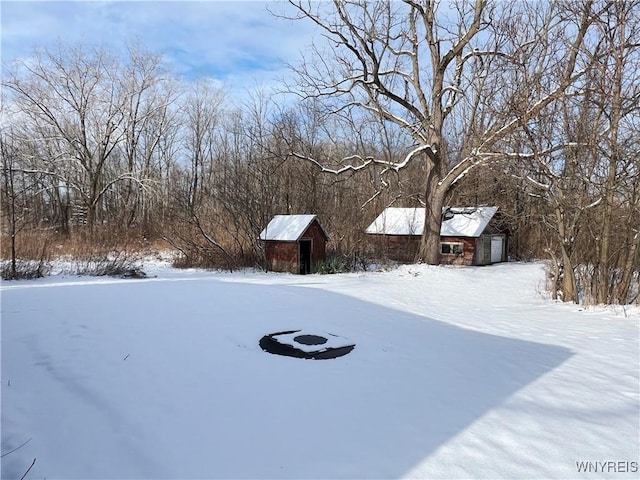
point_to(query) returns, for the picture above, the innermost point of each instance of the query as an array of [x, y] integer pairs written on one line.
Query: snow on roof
[[398, 221], [465, 221], [286, 228]]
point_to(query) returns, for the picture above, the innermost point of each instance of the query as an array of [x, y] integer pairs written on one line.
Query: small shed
[[293, 243], [468, 235]]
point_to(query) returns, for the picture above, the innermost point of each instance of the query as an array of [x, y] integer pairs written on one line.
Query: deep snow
[[457, 373]]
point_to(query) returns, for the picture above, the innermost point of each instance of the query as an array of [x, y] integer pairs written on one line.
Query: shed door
[[496, 249], [305, 256], [485, 241]]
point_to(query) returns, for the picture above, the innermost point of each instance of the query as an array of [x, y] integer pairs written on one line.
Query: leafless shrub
[[100, 252], [24, 269], [107, 263], [33, 260]]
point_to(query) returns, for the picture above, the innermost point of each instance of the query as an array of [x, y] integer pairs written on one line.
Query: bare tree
[[616, 98], [83, 112], [11, 197], [194, 205], [430, 72], [149, 118], [581, 165]]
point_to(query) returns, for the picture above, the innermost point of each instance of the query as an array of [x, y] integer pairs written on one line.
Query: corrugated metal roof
[[465, 221], [286, 228]]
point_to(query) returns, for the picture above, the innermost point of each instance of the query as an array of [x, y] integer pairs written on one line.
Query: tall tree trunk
[[429, 250], [9, 200], [569, 287], [610, 188], [12, 217], [622, 289]]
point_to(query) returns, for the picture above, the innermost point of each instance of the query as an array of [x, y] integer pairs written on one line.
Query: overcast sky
[[238, 43]]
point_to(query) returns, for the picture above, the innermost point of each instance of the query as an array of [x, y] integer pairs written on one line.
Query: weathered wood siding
[[282, 256], [319, 242], [403, 248], [468, 253], [285, 256]]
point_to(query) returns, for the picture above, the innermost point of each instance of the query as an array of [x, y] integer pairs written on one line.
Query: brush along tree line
[[534, 108]]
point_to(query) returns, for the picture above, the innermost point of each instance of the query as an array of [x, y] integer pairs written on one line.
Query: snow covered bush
[[114, 264], [24, 269]]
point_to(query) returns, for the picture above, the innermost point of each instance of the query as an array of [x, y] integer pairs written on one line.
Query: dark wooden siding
[[282, 256], [468, 254], [318, 241], [403, 248], [285, 256]]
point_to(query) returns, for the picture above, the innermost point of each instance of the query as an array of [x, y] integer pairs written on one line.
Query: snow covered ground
[[456, 373]]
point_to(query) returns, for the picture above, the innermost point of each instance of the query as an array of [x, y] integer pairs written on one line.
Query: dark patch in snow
[[310, 339], [133, 273], [270, 344]]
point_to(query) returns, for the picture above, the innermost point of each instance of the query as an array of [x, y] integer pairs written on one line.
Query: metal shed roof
[[287, 228], [465, 221]]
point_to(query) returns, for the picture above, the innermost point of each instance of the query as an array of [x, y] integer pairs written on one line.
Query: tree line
[[534, 108]]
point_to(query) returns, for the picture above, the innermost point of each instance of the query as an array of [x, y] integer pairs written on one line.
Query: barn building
[[293, 243], [468, 235]]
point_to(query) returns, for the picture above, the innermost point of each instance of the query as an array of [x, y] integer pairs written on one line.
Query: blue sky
[[238, 43]]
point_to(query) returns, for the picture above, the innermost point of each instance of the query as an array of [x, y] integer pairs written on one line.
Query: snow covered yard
[[456, 373]]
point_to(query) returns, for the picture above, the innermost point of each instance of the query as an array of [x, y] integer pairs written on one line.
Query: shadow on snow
[[173, 371]]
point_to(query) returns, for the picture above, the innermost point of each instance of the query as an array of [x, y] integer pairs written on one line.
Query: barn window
[[451, 248]]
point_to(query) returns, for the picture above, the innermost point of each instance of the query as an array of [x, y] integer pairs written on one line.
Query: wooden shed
[[468, 235], [293, 243]]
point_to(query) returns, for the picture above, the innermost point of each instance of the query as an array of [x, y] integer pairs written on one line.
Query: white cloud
[[239, 43]]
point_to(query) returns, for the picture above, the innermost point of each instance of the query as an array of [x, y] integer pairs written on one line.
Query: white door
[[496, 249]]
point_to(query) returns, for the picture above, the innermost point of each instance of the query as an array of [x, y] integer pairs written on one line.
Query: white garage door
[[496, 249]]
